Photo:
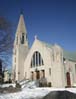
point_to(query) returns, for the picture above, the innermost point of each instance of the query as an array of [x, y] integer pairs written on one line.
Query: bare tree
[[6, 40]]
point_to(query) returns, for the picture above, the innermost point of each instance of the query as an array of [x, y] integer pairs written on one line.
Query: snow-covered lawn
[[30, 91], [35, 93], [26, 94], [7, 85]]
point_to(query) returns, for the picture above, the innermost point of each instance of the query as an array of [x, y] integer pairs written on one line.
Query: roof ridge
[[46, 44]]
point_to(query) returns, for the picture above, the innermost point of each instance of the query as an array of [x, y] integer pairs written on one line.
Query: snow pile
[[34, 93], [28, 84], [26, 94], [73, 90], [30, 91], [7, 85], [23, 82]]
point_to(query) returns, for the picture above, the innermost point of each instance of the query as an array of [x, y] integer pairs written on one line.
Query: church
[[42, 60]]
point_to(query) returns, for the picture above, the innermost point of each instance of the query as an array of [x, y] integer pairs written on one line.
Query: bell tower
[[20, 50]]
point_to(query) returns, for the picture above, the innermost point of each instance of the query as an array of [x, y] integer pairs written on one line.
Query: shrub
[[40, 84], [18, 85], [10, 81], [67, 86], [10, 86], [43, 82], [9, 89], [49, 84]]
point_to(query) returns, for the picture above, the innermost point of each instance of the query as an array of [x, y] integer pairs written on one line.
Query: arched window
[[36, 59], [26, 36], [22, 40], [17, 40]]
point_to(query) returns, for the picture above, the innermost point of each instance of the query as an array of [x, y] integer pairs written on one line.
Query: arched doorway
[[37, 75], [68, 79], [43, 73], [32, 75]]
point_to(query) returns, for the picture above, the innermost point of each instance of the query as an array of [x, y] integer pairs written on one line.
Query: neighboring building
[[7, 76], [0, 67], [0, 70], [42, 60]]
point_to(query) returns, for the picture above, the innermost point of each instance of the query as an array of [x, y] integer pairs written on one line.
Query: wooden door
[[32, 75], [37, 75], [68, 79]]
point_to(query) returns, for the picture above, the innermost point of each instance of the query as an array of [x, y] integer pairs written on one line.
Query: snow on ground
[[7, 85], [26, 94], [35, 93], [32, 84], [30, 91], [23, 82], [73, 90]]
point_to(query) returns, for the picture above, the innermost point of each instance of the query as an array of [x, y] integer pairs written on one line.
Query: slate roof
[[69, 55], [66, 54], [46, 44]]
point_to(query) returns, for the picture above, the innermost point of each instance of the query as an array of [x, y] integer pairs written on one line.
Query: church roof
[[21, 25], [46, 44], [69, 55], [66, 54]]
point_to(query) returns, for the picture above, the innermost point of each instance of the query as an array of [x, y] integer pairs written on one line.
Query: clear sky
[[53, 21]]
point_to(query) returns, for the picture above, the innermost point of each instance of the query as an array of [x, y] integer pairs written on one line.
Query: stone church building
[[42, 60]]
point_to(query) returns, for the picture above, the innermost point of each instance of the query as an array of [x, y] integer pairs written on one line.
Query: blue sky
[[53, 21]]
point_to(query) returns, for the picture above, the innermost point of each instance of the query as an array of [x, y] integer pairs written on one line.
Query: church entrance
[[68, 79], [43, 73], [32, 75], [37, 75]]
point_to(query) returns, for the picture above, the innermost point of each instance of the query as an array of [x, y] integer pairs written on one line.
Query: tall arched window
[[36, 60], [17, 40], [22, 40]]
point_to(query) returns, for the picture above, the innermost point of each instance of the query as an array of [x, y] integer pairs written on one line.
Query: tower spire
[[20, 49], [21, 32], [21, 25]]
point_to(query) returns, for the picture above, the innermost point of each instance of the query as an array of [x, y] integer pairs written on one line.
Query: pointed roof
[[66, 54], [44, 43], [21, 25]]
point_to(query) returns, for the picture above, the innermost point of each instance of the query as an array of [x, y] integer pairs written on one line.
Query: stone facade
[[20, 51], [43, 60]]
